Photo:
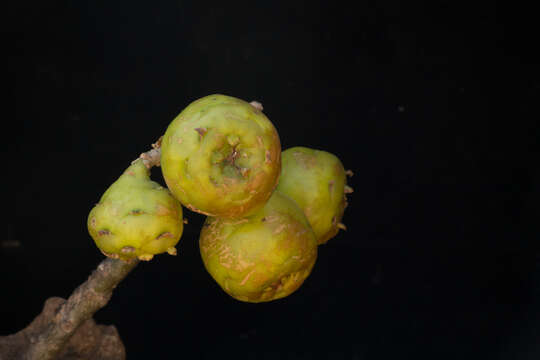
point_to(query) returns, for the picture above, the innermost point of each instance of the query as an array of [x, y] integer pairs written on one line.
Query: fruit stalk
[[88, 298]]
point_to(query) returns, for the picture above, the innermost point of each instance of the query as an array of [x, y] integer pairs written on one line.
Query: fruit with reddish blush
[[221, 156], [263, 257]]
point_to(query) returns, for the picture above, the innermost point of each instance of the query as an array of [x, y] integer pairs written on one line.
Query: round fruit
[[261, 258], [221, 157], [136, 217], [316, 180]]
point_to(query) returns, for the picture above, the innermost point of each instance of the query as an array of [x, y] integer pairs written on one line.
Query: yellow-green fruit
[[261, 258], [316, 180], [221, 157], [136, 217]]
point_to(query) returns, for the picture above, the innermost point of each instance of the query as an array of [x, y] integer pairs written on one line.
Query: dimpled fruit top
[[221, 156], [264, 257]]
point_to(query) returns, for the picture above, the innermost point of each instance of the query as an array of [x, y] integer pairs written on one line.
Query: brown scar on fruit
[[162, 210], [330, 187], [136, 212], [241, 221], [226, 261], [127, 250], [245, 279], [279, 229], [201, 132], [227, 284], [104, 232], [268, 157], [194, 209], [271, 218], [165, 235]]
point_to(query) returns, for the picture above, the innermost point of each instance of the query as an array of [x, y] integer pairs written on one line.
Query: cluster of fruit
[[267, 210]]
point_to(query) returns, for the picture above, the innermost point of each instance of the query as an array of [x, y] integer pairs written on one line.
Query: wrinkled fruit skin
[[136, 217], [316, 181], [221, 157], [261, 258]]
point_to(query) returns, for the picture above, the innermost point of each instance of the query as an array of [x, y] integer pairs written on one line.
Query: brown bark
[[89, 341], [65, 328], [70, 322]]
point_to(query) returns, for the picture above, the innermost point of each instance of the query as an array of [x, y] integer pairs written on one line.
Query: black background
[[434, 107]]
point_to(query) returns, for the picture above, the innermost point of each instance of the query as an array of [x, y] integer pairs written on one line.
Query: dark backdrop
[[433, 107]]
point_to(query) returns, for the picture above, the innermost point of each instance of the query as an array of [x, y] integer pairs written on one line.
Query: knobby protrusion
[[257, 105], [146, 257]]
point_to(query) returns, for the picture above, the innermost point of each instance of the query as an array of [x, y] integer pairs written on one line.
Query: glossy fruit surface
[[136, 217], [261, 258], [316, 181], [221, 157]]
